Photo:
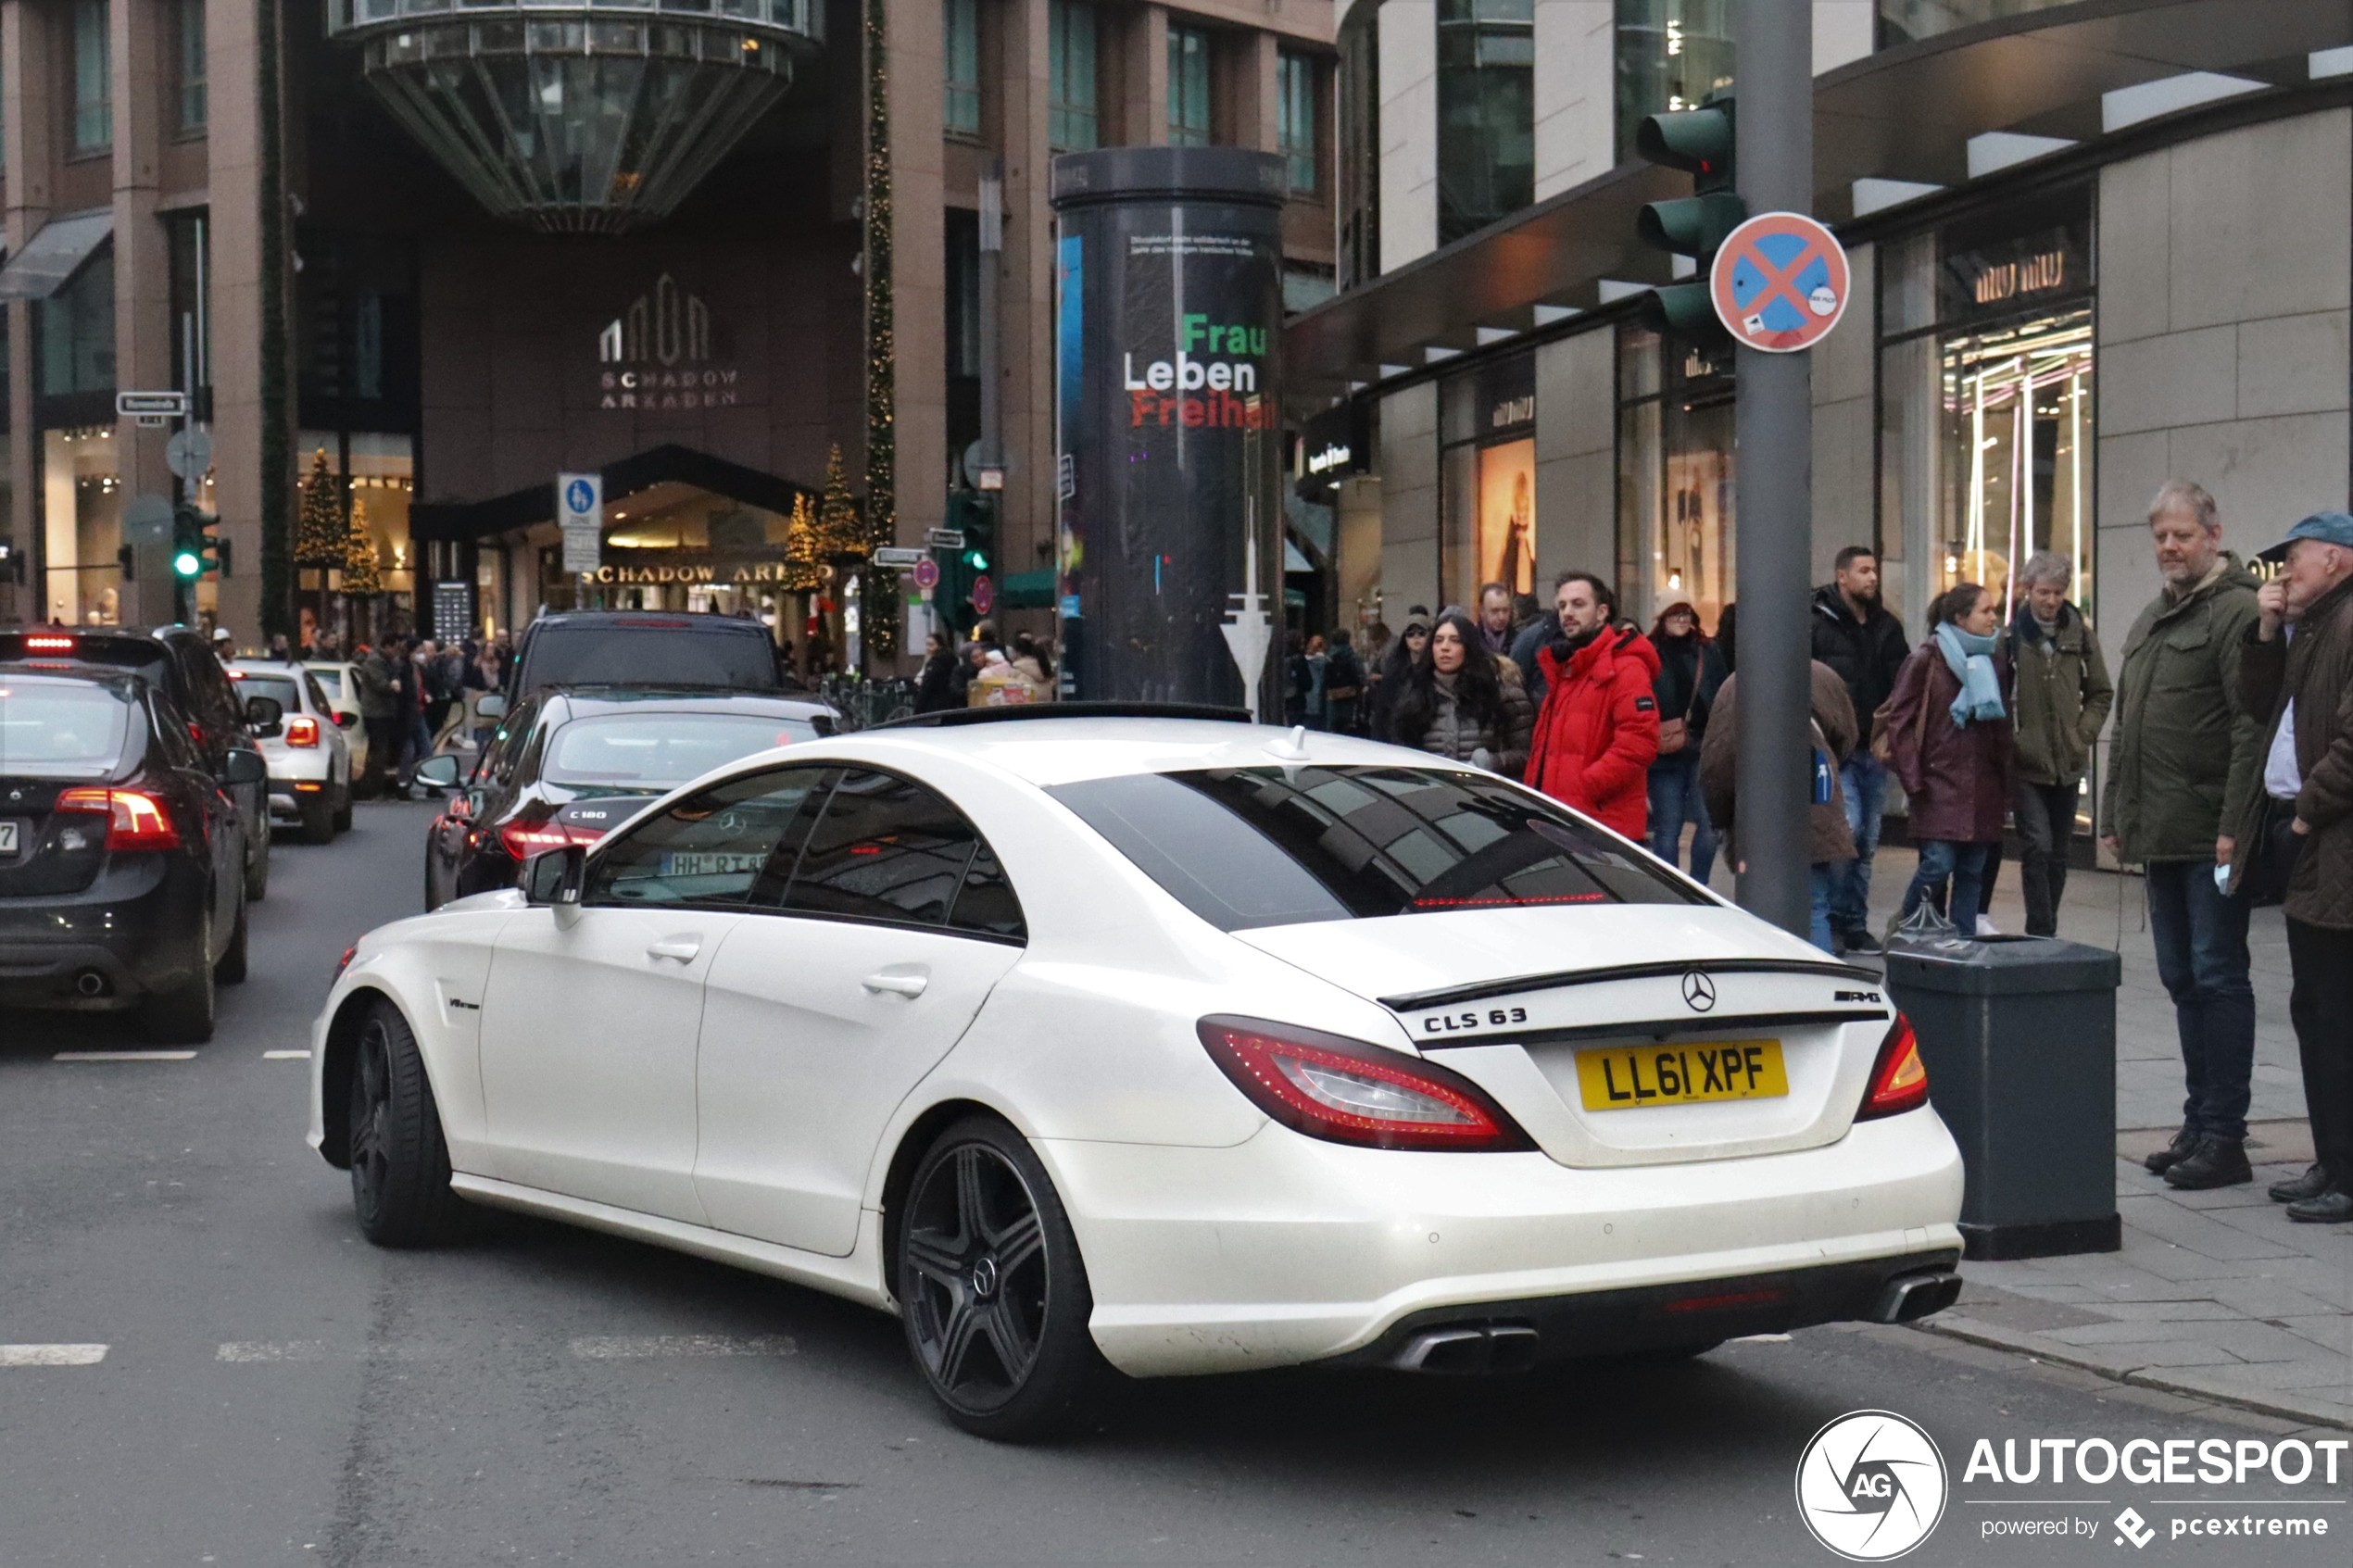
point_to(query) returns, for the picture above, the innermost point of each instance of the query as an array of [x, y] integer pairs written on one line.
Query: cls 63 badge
[[1493, 1018]]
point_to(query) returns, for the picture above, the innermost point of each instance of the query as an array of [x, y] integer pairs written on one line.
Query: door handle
[[908, 982], [682, 948]]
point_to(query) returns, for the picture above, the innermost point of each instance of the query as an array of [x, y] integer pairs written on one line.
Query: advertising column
[[1169, 316]]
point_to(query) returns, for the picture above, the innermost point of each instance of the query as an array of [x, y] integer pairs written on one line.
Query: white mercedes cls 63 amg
[[1174, 1043]]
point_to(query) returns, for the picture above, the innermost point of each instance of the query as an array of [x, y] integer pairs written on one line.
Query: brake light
[[41, 643], [526, 839], [302, 732], [1899, 1079], [1348, 1092], [135, 820]]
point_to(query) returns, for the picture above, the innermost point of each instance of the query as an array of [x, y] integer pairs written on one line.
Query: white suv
[[309, 759]]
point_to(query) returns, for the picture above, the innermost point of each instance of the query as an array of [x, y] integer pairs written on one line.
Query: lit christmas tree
[[360, 553], [804, 567], [840, 531], [319, 530]]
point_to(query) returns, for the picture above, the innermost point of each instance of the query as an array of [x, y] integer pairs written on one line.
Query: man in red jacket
[[1598, 732]]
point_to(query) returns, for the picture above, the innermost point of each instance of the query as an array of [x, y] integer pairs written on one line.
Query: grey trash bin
[[2019, 1037]]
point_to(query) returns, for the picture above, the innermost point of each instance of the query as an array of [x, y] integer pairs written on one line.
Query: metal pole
[[1774, 443], [992, 257]]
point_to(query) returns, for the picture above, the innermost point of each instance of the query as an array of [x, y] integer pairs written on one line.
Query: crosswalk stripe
[[285, 1056], [285, 1350], [627, 1348], [52, 1355], [124, 1056]]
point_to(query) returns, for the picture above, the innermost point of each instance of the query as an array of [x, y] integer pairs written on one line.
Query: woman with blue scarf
[[1950, 741]]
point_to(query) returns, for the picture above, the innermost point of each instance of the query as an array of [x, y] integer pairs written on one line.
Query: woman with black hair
[[1456, 704], [1394, 673]]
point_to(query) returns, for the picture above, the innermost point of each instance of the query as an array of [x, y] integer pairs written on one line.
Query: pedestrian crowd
[[416, 696], [2229, 782]]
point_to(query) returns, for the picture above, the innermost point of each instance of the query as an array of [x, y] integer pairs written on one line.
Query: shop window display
[[1676, 509], [1986, 400], [1488, 460]]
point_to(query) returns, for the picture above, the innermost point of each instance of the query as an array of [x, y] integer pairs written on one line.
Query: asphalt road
[[273, 1390]]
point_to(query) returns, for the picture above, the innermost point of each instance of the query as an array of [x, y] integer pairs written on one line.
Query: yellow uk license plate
[[1637, 1077]]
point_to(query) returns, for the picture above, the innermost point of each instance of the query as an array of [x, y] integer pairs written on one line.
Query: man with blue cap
[[2295, 844]]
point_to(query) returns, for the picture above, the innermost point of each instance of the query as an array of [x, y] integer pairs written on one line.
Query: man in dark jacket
[[2183, 770], [1829, 843], [2305, 683], [1856, 636]]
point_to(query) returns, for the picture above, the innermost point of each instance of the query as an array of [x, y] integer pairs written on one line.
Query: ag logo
[[1870, 1485]]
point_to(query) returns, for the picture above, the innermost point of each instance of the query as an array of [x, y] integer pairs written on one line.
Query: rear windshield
[[1251, 846], [61, 729], [652, 656], [278, 688], [660, 751]]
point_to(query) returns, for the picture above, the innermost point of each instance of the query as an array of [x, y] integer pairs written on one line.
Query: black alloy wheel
[[992, 1289], [399, 1161]]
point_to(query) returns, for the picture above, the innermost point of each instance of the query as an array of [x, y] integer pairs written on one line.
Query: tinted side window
[[710, 849], [888, 849], [170, 733]]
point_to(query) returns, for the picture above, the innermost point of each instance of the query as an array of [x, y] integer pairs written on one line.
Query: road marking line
[[627, 1348], [124, 1056], [285, 1056], [284, 1351], [52, 1355]]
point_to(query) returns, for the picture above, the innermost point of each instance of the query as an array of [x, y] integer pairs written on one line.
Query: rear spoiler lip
[[1658, 1028], [1478, 991]]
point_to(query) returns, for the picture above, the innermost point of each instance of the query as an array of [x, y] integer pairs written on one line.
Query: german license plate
[[7, 839], [1637, 1077]]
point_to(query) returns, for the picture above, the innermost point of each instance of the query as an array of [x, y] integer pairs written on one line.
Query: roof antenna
[[1291, 747]]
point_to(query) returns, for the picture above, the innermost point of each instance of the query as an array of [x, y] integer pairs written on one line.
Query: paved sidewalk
[[2216, 1295]]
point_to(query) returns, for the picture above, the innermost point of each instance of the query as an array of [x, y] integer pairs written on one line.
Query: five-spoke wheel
[[399, 1163], [992, 1287]]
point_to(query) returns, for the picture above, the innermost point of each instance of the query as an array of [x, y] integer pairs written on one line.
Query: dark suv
[[176, 661], [647, 647]]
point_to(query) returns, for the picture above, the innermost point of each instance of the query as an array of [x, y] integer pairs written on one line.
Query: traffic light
[[973, 514], [1699, 142], [197, 552]]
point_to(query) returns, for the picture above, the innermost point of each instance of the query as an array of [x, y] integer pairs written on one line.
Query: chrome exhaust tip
[[1909, 1298], [1469, 1349], [91, 982]]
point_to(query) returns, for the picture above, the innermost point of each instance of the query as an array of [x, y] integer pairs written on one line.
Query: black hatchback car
[[176, 661], [567, 765], [121, 855]]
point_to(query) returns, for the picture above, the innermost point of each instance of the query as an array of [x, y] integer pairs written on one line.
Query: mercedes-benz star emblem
[[1699, 991]]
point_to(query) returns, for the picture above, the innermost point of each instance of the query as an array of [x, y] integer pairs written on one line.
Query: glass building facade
[[1485, 113]]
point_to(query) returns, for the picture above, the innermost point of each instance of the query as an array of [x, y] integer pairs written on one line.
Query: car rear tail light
[[41, 643], [1349, 1092], [526, 839], [302, 732], [1899, 1079], [135, 820]]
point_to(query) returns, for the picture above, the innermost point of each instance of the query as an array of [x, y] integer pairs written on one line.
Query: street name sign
[[130, 404], [945, 538], [1779, 282], [896, 556]]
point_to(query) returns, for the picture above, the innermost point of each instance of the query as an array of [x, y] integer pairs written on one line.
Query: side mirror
[[556, 876], [825, 727], [490, 706], [247, 767], [346, 721], [439, 771], [265, 714]]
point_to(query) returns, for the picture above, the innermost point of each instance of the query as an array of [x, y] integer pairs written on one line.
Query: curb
[[2315, 1413]]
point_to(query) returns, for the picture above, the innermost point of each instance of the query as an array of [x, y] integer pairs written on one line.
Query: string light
[[882, 354]]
